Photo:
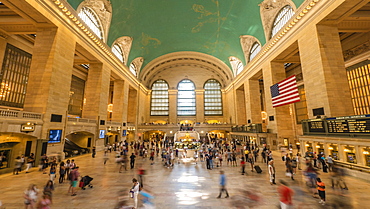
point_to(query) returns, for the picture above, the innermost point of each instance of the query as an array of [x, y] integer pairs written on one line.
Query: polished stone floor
[[187, 185]]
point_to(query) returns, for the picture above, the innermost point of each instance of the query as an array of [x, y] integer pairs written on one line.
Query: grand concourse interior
[[85, 73]]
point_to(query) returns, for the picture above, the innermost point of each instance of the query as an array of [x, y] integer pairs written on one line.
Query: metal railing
[[352, 166]]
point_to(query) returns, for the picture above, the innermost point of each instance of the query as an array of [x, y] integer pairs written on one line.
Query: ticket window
[[4, 158], [335, 155], [351, 157]]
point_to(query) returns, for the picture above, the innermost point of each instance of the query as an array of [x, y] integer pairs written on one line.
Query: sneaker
[[218, 197], [227, 196]]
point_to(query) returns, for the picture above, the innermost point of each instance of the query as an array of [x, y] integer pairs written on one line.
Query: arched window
[[116, 49], [186, 98], [254, 50], [236, 65], [133, 69], [212, 98], [91, 20], [281, 19], [159, 101]]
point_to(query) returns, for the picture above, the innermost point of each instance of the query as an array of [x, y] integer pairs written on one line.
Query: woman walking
[[30, 196], [62, 172]]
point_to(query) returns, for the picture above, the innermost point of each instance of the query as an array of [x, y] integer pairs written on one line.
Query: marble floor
[[187, 185]]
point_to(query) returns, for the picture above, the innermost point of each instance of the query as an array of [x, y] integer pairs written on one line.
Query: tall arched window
[[159, 102], [91, 20], [236, 65], [281, 19], [133, 69], [186, 98], [212, 98], [116, 49], [254, 50]]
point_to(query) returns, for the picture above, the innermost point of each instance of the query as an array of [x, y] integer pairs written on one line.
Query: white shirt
[[136, 187]]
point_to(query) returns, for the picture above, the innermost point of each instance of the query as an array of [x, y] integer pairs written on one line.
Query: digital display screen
[[55, 136], [101, 134]]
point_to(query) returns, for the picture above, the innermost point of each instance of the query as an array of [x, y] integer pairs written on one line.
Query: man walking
[[223, 184], [132, 160]]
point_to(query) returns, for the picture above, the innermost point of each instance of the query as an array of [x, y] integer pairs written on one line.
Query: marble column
[[199, 105], [273, 73], [324, 73], [172, 95], [253, 101]]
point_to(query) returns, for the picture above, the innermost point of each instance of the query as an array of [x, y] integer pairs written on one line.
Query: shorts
[[74, 183]]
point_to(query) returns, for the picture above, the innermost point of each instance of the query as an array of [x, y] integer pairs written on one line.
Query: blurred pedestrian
[[93, 152], [132, 160], [223, 185], [321, 190], [286, 195], [242, 164], [62, 172], [49, 188], [271, 168], [44, 202], [30, 196], [52, 173], [30, 161], [135, 191], [17, 165]]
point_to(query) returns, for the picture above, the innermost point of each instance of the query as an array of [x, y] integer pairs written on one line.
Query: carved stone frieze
[[138, 62], [350, 53], [247, 43], [103, 8], [125, 42], [268, 11]]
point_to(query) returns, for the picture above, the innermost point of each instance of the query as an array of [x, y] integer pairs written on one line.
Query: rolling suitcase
[[258, 169]]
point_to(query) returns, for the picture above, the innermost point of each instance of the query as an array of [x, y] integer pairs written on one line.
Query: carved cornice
[[357, 50]]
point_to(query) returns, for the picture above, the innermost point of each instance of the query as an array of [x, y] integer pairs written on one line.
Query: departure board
[[316, 126], [360, 125]]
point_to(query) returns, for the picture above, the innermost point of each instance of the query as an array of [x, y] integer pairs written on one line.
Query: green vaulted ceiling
[[159, 27]]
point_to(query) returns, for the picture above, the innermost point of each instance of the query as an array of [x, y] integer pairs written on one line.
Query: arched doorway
[[78, 143]]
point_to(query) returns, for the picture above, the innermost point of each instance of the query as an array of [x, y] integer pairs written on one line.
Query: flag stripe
[[285, 92]]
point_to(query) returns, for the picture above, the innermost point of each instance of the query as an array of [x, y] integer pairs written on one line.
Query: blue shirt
[[222, 180]]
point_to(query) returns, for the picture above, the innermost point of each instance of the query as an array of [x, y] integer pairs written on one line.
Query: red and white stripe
[[288, 92]]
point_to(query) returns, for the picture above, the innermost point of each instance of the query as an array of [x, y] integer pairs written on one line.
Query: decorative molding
[[103, 8], [247, 42], [357, 50], [125, 42], [138, 62], [268, 11]]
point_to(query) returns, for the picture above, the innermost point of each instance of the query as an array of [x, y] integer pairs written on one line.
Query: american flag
[[285, 92]]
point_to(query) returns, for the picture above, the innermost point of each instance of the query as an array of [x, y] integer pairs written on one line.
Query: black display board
[[316, 126], [361, 125]]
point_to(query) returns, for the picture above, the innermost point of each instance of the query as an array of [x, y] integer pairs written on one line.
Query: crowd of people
[[213, 155]]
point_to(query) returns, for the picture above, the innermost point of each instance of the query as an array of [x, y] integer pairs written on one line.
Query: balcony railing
[[81, 120], [252, 128], [15, 114], [352, 166]]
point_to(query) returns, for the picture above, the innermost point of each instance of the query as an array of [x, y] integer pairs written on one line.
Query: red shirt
[[286, 194]]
